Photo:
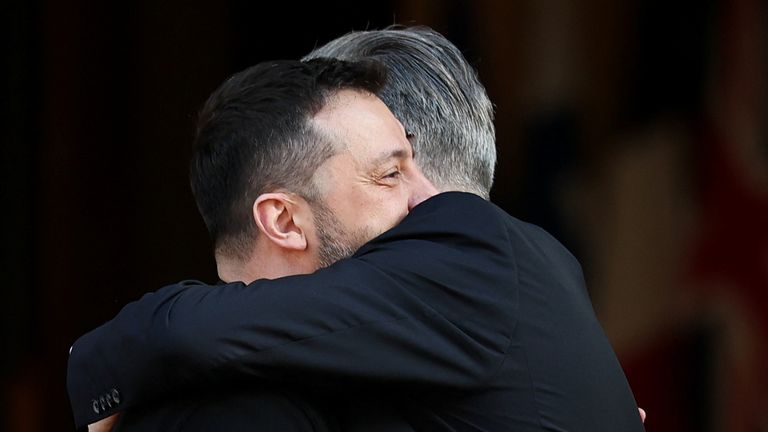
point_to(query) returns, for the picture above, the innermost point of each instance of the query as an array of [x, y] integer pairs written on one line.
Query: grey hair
[[435, 93]]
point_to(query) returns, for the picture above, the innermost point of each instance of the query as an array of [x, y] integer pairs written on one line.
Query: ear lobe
[[274, 214]]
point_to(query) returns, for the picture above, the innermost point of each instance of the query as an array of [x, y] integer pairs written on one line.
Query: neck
[[266, 262]]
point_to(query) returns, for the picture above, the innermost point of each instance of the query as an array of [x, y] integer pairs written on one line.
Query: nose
[[421, 189]]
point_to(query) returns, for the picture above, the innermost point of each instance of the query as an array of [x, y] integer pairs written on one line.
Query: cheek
[[392, 207], [374, 211]]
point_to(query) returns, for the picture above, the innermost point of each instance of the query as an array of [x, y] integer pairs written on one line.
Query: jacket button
[[95, 405], [115, 396]]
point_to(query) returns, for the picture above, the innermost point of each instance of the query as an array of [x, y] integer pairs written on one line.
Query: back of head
[[435, 93], [255, 135]]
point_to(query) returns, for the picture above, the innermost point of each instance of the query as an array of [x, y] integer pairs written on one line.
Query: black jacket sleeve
[[421, 304]]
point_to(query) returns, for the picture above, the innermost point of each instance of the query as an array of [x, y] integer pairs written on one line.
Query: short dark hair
[[254, 135]]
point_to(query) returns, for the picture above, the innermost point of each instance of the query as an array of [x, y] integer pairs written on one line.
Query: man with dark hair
[[287, 156], [461, 316]]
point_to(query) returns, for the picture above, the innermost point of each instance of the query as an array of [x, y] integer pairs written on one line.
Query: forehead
[[361, 123]]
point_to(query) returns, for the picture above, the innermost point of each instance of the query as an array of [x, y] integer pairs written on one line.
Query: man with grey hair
[[467, 319]]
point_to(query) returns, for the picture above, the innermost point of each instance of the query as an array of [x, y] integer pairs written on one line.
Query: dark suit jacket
[[271, 409], [472, 319], [234, 410]]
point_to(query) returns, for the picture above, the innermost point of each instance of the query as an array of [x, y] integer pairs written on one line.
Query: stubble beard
[[335, 242]]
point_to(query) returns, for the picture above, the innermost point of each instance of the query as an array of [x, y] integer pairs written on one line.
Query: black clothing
[[476, 320]]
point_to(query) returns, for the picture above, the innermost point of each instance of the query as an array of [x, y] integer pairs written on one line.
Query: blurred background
[[634, 131]]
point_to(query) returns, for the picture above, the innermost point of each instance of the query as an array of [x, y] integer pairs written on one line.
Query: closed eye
[[390, 178], [393, 174]]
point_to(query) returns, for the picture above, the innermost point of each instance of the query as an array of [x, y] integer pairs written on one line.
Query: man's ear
[[280, 220]]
